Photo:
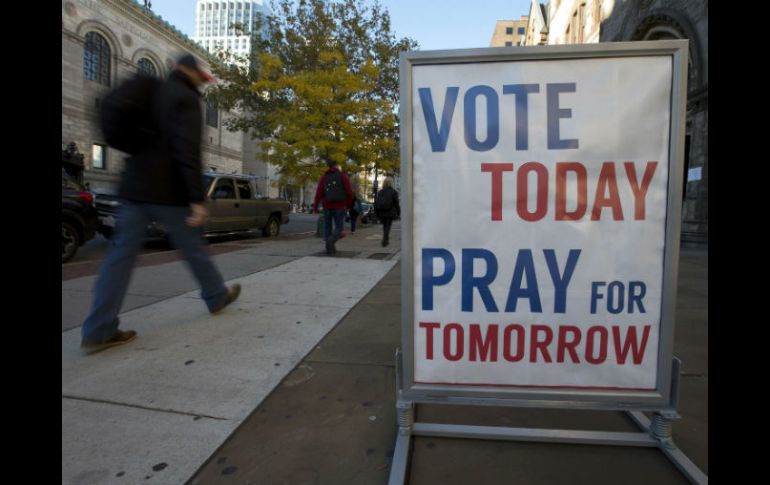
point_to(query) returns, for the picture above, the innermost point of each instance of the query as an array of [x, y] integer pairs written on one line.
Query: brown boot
[[232, 294], [121, 337]]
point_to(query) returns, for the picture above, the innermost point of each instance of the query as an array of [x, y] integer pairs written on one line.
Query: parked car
[[78, 217], [233, 205], [367, 213]]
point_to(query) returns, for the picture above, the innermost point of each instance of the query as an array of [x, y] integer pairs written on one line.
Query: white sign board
[[539, 199]]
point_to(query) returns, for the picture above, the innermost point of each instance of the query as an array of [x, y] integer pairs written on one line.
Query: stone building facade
[[509, 32], [574, 21], [677, 19], [106, 41], [588, 21], [537, 25]]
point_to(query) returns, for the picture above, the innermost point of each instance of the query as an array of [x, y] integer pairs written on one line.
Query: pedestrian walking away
[[335, 193], [162, 182], [355, 210], [387, 208]]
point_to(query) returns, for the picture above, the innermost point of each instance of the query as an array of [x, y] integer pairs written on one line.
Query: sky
[[434, 24]]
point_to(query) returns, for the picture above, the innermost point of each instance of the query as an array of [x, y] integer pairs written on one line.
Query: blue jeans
[[115, 272], [338, 216]]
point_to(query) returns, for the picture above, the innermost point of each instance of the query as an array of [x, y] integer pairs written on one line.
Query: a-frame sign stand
[[655, 433], [456, 174]]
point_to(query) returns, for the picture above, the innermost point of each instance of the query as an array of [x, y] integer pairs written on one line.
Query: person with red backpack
[[335, 192]]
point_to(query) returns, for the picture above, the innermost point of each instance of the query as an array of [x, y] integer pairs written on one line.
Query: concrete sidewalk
[[153, 410], [295, 384], [333, 419]]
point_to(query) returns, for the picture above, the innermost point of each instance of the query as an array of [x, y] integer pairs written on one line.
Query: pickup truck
[[233, 206]]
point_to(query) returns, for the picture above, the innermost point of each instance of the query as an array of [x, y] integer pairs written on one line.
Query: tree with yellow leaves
[[321, 83]]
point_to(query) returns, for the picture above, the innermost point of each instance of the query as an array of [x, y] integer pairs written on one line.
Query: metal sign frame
[[663, 401], [660, 397]]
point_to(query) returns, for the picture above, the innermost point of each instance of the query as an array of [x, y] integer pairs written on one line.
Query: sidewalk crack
[[146, 408]]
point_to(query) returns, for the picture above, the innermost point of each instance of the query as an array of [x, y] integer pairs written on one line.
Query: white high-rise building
[[214, 21]]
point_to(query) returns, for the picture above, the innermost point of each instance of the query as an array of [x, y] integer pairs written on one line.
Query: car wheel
[[272, 228], [70, 241]]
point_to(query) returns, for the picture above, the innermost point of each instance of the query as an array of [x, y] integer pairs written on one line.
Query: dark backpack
[[334, 188], [384, 201], [125, 114]]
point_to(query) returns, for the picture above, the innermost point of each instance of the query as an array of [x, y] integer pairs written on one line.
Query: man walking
[[162, 182], [335, 192]]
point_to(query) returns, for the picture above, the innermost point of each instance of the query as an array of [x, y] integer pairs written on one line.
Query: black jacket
[[395, 210], [168, 171]]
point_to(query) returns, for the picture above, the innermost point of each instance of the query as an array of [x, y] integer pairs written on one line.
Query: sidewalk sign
[[540, 236]]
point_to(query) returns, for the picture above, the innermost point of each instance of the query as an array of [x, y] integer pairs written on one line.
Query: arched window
[[665, 32], [147, 67], [96, 59], [212, 113]]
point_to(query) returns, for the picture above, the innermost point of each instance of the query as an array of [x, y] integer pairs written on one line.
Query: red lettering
[[483, 343], [630, 343], [497, 170], [639, 192], [459, 340], [575, 192], [536, 344], [607, 181], [429, 328], [519, 342], [522, 191], [568, 345], [602, 345], [489, 343], [561, 191]]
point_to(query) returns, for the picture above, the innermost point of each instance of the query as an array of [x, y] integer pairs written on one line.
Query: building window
[[147, 67], [98, 156], [96, 59], [212, 114], [520, 31], [509, 31], [508, 43]]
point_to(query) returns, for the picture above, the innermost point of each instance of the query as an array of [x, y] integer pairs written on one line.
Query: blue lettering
[[633, 286], [481, 283], [616, 287], [520, 91], [493, 118], [555, 113], [525, 266], [428, 279], [560, 282], [438, 136], [595, 296]]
